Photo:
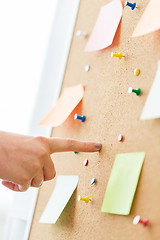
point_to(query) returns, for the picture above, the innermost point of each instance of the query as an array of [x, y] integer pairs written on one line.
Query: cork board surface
[[109, 110]]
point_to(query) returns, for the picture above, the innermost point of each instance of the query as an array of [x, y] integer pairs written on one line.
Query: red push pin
[[138, 219], [120, 137], [85, 162]]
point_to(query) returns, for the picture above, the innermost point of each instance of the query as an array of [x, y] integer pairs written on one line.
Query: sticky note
[[69, 99], [123, 183], [106, 26], [150, 20], [152, 108], [64, 188]]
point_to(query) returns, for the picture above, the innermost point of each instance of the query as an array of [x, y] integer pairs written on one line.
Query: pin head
[[136, 72], [75, 152], [87, 68], [136, 220], [75, 116], [85, 162], [120, 137], [93, 181], [78, 33], [130, 90]]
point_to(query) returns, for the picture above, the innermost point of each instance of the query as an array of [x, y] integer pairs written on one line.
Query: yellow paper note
[[69, 99], [150, 20]]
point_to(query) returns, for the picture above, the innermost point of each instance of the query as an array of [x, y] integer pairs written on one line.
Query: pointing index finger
[[64, 145]]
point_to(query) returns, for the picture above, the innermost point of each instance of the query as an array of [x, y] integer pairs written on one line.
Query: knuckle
[[36, 166], [40, 139], [42, 152], [25, 179]]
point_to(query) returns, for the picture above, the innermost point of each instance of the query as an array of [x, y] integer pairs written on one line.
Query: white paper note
[[64, 188], [152, 106]]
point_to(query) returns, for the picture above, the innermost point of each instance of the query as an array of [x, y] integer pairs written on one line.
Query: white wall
[[25, 28]]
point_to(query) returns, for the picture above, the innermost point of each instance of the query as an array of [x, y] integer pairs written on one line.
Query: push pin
[[85, 199], [136, 72], [85, 162], [87, 68], [137, 91], [80, 33], [138, 219], [131, 5], [82, 118], [75, 152], [93, 181], [120, 137], [118, 55]]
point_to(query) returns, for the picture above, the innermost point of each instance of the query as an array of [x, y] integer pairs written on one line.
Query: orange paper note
[[150, 20], [106, 26], [65, 105]]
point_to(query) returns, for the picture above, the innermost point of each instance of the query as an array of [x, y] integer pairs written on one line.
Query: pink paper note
[[106, 26], [150, 20], [67, 102]]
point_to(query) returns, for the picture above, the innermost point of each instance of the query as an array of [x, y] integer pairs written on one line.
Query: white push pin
[[87, 68], [120, 137], [79, 33], [138, 219]]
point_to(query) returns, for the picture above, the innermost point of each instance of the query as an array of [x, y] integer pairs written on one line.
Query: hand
[[25, 161]]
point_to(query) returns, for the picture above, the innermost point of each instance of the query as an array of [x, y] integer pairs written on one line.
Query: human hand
[[25, 161]]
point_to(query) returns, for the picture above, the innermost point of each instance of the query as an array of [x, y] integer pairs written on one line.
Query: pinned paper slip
[[152, 106], [106, 26], [123, 183], [150, 20], [65, 186], [69, 99]]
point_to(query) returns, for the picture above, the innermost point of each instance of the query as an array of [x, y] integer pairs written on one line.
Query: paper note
[[122, 183], [152, 106], [69, 99], [64, 188], [106, 26], [150, 20]]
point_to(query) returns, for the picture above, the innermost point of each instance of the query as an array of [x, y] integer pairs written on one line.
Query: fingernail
[[98, 146]]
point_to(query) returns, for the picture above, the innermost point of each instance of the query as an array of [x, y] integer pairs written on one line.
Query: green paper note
[[123, 183]]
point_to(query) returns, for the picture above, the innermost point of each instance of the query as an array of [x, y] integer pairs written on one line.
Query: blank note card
[[65, 186], [122, 183], [152, 108]]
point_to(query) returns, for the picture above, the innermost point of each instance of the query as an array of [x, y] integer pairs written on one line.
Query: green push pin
[[137, 91], [75, 152]]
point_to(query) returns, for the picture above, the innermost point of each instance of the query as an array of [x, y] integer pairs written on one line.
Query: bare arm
[[25, 161]]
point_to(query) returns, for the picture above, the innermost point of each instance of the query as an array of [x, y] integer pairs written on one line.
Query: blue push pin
[[82, 118], [93, 181], [131, 5]]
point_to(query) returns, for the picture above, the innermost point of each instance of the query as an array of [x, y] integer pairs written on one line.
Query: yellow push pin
[[85, 199], [118, 55], [136, 72]]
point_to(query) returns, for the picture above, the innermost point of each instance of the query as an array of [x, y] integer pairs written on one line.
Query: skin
[[25, 160]]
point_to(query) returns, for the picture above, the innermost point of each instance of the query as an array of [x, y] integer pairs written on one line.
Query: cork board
[[109, 110]]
